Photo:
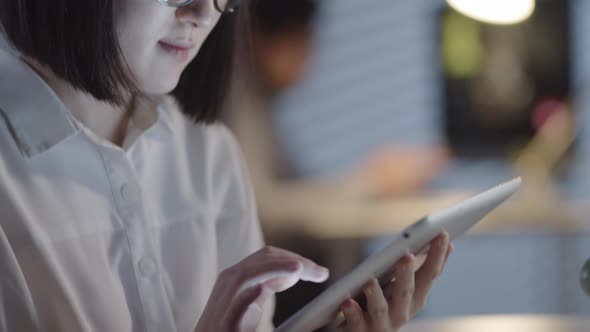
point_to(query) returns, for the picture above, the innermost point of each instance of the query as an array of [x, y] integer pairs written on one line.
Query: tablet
[[455, 219]]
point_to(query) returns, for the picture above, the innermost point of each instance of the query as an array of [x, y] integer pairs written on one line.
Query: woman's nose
[[200, 13]]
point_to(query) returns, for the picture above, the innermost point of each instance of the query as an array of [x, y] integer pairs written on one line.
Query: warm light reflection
[[508, 323], [495, 11]]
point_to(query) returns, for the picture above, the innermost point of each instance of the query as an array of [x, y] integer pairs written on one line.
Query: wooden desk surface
[[370, 219], [508, 323]]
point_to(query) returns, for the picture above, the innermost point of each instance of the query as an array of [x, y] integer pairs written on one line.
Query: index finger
[[432, 267], [273, 263]]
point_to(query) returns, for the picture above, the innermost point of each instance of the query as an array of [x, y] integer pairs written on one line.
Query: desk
[[369, 219], [533, 250], [509, 323]]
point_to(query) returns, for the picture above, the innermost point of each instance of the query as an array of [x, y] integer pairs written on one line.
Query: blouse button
[[147, 266], [130, 193]]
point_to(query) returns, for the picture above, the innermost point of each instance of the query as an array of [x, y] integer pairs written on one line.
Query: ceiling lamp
[[495, 11]]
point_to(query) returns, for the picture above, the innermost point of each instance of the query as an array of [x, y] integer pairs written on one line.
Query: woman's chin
[[161, 86]]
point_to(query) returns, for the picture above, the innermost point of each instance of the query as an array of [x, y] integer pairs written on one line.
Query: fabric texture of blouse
[[95, 237]]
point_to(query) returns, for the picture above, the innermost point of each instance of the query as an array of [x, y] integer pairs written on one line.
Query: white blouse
[[98, 238]]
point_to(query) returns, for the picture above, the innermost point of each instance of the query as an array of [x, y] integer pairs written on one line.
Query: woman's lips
[[179, 51]]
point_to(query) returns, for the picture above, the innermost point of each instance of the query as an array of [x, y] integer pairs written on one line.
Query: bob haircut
[[77, 39]]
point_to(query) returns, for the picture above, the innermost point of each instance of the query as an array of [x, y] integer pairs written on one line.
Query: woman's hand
[[235, 304], [399, 170], [389, 309]]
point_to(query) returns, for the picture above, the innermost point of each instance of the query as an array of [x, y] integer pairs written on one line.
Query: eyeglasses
[[223, 6]]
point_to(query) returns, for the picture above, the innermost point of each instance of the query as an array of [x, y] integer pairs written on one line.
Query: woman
[[119, 213]]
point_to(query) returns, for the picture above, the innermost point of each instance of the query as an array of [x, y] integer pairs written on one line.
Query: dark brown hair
[[77, 39]]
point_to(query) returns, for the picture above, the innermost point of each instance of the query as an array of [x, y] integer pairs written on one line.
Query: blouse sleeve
[[17, 310], [238, 227]]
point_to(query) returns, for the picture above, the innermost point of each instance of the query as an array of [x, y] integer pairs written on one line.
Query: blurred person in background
[[123, 206], [282, 44]]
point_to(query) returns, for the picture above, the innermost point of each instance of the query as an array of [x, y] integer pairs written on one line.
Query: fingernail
[[409, 261], [322, 272], [349, 312], [295, 266], [346, 307], [368, 290], [403, 261]]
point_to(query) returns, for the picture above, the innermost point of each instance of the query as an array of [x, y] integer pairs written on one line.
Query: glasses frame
[[188, 2]]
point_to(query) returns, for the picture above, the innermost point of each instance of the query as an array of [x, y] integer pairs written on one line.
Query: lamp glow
[[495, 11]]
